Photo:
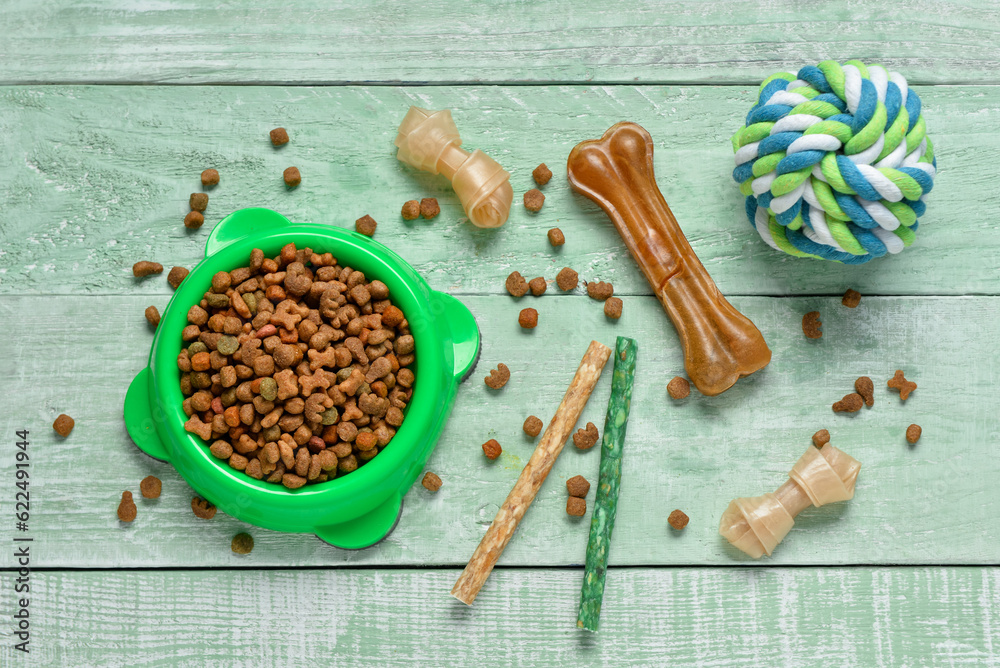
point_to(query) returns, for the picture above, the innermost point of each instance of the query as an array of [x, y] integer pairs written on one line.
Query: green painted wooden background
[[110, 109]]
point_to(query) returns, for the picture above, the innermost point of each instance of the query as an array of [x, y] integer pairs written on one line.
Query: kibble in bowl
[[359, 501]]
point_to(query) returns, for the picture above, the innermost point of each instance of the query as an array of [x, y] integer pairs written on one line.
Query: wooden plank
[[94, 178], [272, 41], [934, 503], [723, 618]]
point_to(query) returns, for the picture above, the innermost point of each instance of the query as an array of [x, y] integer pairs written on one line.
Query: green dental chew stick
[[606, 505]]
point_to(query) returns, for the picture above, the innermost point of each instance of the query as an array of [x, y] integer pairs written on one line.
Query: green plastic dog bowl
[[359, 508]]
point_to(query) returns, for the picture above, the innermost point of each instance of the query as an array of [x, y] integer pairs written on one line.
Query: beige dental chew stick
[[756, 525], [429, 141], [530, 481]]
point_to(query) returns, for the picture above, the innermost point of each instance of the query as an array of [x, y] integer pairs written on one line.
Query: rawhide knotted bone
[[822, 475], [429, 141], [720, 344]]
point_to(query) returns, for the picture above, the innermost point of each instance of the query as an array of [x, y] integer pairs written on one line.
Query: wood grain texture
[[93, 179], [704, 617], [933, 503], [279, 41]]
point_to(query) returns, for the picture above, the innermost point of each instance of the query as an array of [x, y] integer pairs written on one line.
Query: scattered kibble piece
[[365, 225], [516, 285], [613, 308], [492, 449], [556, 237], [279, 136], [431, 481], [576, 507], [152, 316], [411, 210], [821, 438], [176, 275], [537, 286], [194, 220], [533, 200], [292, 177], [678, 520], [532, 426], [678, 387], [541, 174], [242, 543], [150, 487], [429, 207], [851, 403], [63, 425], [851, 298], [127, 511], [913, 433], [198, 201], [585, 439], [811, 325], [145, 268], [528, 318], [577, 486], [600, 291], [567, 279], [498, 377], [866, 388], [899, 382], [210, 177], [203, 508]]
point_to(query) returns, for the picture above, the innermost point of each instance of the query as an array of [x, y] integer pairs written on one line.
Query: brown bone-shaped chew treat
[[720, 344]]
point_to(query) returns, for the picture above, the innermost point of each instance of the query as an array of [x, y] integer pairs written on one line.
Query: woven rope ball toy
[[835, 162]]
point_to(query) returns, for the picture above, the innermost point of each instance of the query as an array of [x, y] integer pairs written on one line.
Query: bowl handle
[[139, 420], [461, 329], [364, 531], [240, 224]]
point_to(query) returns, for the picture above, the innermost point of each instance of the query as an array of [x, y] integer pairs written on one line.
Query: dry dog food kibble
[[567, 279], [242, 543], [63, 425], [145, 268], [292, 177], [537, 286], [202, 508], [194, 220], [279, 137], [851, 298], [851, 403], [913, 433], [811, 325], [866, 388], [528, 318], [198, 201], [429, 207], [498, 377], [577, 486], [296, 369], [150, 487], [152, 316], [431, 481], [556, 237], [365, 225], [600, 291], [541, 174], [821, 438], [533, 200], [492, 449], [576, 507], [678, 520], [516, 285], [176, 275], [585, 439], [411, 210], [613, 308], [126, 509], [210, 177], [899, 382], [532, 426], [678, 388]]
